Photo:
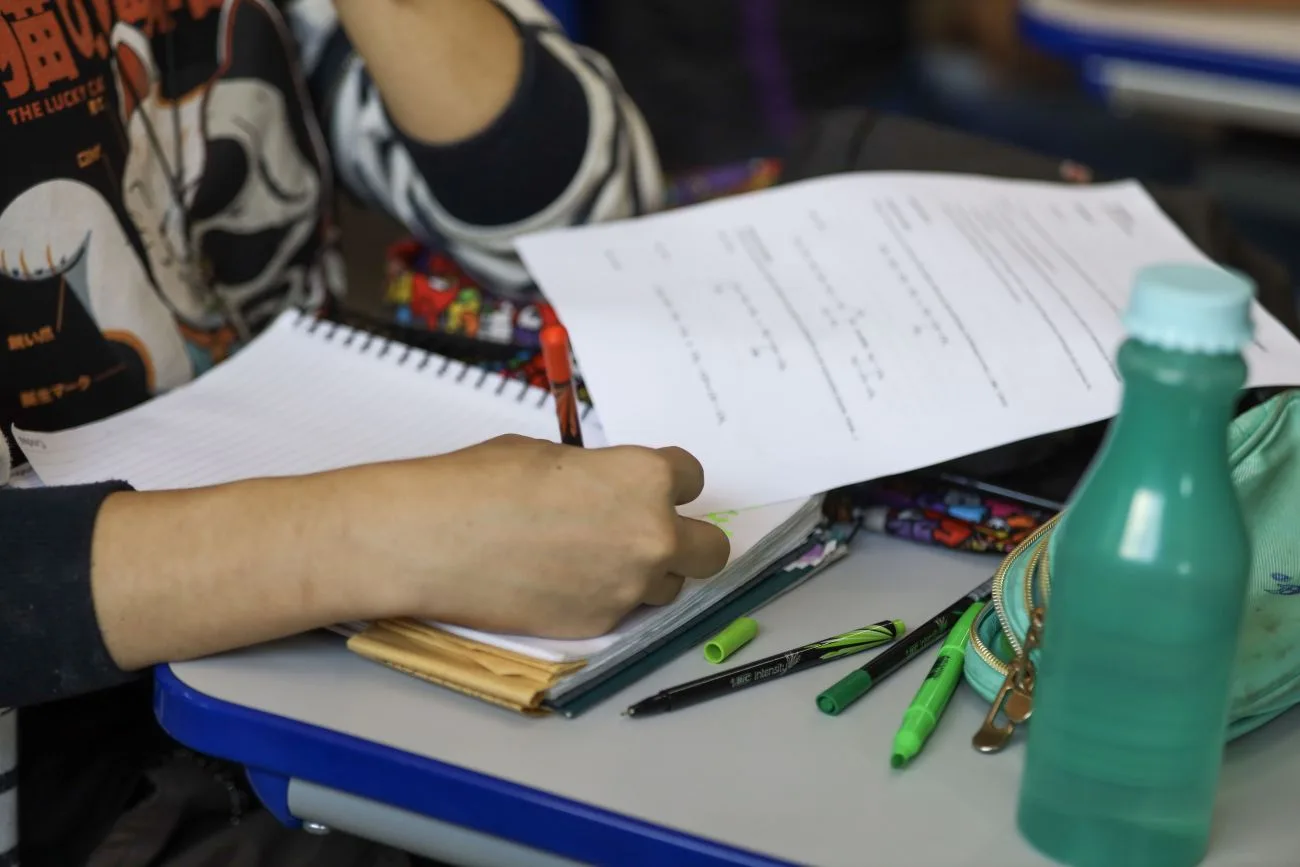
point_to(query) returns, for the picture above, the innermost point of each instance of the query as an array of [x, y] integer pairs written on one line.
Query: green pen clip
[[741, 631]]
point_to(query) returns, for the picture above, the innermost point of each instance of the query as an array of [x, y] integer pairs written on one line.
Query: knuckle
[[656, 543], [517, 441], [650, 470]]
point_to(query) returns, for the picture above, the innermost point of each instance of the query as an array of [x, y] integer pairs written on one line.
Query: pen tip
[[897, 760]]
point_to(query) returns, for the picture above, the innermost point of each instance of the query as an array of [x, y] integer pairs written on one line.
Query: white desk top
[[1253, 32], [763, 769]]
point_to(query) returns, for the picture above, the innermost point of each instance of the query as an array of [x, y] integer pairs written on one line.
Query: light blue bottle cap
[[1201, 309]]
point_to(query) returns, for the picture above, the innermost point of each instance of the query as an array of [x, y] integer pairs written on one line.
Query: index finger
[[688, 475]]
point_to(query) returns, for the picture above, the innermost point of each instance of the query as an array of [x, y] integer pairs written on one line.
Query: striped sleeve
[[8, 787], [571, 147]]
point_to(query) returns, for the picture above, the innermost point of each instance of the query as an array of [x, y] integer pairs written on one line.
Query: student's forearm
[[446, 68], [514, 535], [181, 574]]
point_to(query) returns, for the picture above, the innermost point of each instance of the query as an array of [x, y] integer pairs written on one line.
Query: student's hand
[[513, 535], [525, 536]]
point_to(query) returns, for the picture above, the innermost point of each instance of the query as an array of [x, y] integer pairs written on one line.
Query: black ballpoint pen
[[769, 668]]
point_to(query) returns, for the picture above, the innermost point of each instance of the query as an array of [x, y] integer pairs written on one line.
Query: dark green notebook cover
[[777, 580]]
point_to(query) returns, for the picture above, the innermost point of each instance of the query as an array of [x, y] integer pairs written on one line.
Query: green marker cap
[[844, 693], [731, 639]]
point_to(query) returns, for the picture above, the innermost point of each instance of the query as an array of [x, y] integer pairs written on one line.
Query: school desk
[[757, 778], [1204, 60]]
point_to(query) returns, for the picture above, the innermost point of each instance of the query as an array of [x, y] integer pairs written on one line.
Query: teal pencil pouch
[[1264, 456]]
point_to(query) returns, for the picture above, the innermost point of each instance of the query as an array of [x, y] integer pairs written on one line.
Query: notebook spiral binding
[[422, 360]]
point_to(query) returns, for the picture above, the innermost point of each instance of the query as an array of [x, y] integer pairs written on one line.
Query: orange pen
[[559, 371]]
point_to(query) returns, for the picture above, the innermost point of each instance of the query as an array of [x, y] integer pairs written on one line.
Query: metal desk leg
[[402, 829]]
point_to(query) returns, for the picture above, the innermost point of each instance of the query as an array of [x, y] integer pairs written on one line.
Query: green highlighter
[[923, 714]]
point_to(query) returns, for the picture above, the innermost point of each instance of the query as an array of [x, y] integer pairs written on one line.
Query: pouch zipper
[[1013, 703], [1042, 577], [999, 599], [1014, 699]]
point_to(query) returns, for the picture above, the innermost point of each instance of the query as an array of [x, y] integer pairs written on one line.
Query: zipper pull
[[993, 735], [1015, 699], [1020, 704]]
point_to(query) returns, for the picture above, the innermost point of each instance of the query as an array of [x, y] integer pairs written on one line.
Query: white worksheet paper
[[857, 326]]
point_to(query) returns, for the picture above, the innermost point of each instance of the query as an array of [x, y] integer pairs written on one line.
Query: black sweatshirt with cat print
[[170, 169]]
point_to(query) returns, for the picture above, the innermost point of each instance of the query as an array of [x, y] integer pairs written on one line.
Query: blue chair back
[[569, 14]]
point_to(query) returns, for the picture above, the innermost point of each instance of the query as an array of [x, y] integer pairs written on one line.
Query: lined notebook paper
[[308, 396]]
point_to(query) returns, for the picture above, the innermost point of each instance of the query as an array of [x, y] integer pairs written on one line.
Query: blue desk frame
[[1085, 48], [275, 750]]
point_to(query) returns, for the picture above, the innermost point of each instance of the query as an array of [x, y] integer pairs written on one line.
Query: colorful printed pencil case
[[935, 511], [1264, 454]]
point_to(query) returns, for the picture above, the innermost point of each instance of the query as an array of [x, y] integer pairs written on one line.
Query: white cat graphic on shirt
[[64, 228]]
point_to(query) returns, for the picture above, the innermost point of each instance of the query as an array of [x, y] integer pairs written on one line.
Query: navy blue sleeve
[[50, 639], [570, 147], [509, 171]]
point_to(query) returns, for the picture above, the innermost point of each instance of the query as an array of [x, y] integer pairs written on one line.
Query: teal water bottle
[[1148, 575]]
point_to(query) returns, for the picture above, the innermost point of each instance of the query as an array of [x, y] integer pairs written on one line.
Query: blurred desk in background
[[1239, 67]]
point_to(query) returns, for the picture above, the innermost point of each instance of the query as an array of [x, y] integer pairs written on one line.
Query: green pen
[[853, 686], [931, 699]]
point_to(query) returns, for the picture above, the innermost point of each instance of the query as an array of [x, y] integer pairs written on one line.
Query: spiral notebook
[[310, 395]]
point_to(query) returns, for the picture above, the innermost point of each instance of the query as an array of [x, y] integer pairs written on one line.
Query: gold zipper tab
[[994, 734], [1014, 702], [1020, 703], [1018, 711]]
